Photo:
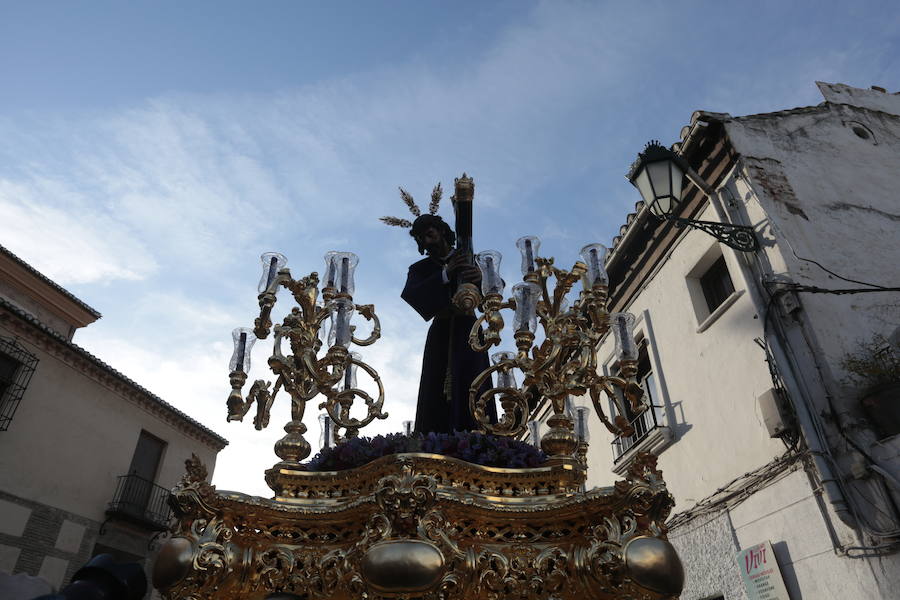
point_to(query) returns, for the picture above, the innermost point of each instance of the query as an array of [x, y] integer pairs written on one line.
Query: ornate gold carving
[[565, 363], [499, 541], [306, 372], [466, 297]]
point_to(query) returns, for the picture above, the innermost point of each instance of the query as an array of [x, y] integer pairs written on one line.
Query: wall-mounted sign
[[760, 572]]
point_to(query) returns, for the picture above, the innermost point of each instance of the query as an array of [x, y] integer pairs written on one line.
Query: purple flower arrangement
[[470, 446]]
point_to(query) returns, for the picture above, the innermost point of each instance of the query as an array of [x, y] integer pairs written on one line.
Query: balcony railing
[[141, 501], [643, 425]]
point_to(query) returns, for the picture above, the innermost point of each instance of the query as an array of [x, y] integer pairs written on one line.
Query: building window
[[16, 368], [716, 284], [711, 287]]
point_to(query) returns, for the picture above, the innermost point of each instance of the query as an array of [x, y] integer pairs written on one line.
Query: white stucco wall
[[712, 379]]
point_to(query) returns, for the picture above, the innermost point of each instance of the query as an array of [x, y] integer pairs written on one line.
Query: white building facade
[[87, 456], [762, 434]]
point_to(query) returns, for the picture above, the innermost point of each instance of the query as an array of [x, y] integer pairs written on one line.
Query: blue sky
[[150, 151]]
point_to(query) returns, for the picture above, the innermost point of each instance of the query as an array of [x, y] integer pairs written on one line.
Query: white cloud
[[70, 243]]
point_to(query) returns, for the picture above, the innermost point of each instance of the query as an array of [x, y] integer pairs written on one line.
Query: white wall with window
[[703, 379]]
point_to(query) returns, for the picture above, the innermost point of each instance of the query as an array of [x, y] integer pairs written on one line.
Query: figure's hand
[[456, 261], [460, 266]]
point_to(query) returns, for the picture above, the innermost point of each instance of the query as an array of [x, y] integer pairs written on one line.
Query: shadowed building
[[87, 456]]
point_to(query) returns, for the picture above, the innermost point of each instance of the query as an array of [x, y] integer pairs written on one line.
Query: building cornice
[[26, 326], [47, 292]]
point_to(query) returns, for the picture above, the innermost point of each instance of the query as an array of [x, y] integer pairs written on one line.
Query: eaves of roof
[[218, 441], [50, 282], [699, 120]]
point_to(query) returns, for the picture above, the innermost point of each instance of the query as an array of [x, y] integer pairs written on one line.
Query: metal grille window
[[716, 284], [16, 368]]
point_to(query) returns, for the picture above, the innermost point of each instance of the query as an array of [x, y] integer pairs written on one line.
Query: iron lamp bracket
[[738, 237]]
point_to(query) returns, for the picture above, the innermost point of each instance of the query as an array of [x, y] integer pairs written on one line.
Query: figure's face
[[433, 242]]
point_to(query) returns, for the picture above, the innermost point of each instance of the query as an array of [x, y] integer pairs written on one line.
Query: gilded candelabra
[[564, 363], [427, 526], [307, 371]]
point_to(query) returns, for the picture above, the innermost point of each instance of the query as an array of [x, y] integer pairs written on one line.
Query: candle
[[241, 349], [529, 255], [273, 267], [342, 322], [489, 268], [345, 274], [348, 377], [595, 265], [329, 273]]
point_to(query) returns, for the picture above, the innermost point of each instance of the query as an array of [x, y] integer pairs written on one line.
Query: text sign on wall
[[760, 573]]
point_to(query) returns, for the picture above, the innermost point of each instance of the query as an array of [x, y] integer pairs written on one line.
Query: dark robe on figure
[[449, 365]]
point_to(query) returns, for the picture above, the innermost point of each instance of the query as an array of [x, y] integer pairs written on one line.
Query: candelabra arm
[[596, 399], [337, 403], [235, 402], [263, 322], [513, 401], [368, 311]]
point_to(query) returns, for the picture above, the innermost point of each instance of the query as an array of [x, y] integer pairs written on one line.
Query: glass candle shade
[[526, 295], [581, 423], [326, 429], [534, 432], [330, 269], [272, 262], [340, 323], [489, 263], [528, 245], [349, 380], [407, 427], [623, 329], [594, 256], [244, 339], [505, 378], [339, 271]]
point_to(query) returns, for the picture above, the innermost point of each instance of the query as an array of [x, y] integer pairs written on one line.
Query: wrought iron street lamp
[[658, 174]]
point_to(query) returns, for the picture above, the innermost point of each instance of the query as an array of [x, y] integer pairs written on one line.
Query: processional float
[[425, 525]]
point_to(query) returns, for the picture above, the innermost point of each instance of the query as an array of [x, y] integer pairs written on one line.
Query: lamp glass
[[594, 256], [526, 295], [505, 377], [272, 262], [489, 264], [528, 245], [642, 183], [622, 324], [244, 338]]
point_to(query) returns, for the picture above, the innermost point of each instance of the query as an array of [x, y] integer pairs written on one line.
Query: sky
[[151, 151]]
